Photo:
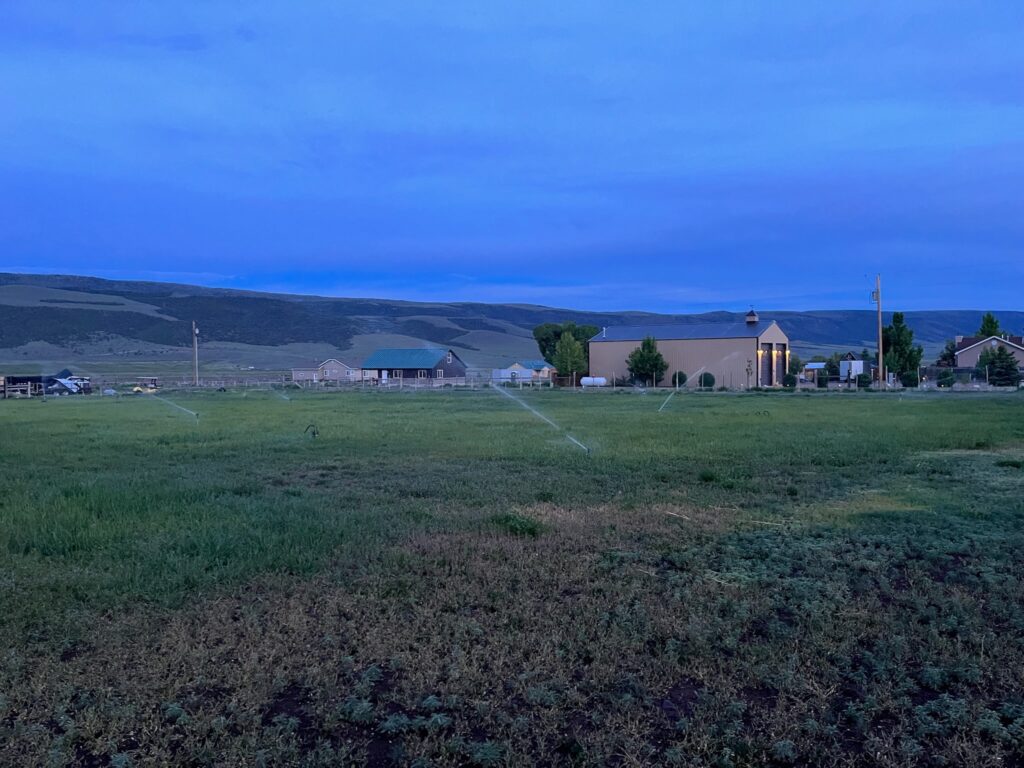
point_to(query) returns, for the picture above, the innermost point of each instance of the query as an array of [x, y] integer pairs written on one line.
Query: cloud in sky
[[649, 156]]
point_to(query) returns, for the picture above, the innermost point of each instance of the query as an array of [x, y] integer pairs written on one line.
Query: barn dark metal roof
[[684, 331]]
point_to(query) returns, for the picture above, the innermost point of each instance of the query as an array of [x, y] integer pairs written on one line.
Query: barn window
[[421, 374], [449, 356], [439, 373], [396, 374]]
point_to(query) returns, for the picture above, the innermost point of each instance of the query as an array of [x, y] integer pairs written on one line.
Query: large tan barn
[[738, 355]]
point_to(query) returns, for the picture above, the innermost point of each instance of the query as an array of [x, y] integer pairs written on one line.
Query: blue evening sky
[[648, 155]]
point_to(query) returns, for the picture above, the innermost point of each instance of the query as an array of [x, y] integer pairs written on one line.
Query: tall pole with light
[[876, 297], [195, 354]]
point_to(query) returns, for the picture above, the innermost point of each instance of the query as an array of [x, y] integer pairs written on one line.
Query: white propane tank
[[594, 381]]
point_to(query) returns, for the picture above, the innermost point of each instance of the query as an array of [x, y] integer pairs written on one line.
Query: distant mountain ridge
[[86, 313]]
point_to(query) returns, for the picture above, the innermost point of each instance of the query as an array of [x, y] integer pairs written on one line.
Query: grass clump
[[486, 753], [518, 524]]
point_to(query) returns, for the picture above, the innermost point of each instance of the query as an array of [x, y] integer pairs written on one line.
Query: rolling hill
[[105, 325]]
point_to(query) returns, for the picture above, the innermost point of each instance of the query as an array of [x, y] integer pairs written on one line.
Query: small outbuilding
[[850, 368], [814, 371], [534, 371], [540, 370]]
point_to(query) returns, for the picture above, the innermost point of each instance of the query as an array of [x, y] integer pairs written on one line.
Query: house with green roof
[[432, 365]]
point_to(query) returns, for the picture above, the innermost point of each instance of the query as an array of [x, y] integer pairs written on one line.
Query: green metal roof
[[405, 358]]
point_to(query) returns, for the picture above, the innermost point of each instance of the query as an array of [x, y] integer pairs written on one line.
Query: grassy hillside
[[107, 321]]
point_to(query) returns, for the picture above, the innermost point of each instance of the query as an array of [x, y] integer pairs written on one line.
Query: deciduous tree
[[547, 336], [568, 357], [646, 362]]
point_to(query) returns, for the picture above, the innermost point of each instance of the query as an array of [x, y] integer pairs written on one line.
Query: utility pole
[[195, 354], [877, 298]]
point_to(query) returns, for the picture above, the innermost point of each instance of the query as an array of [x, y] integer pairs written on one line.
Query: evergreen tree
[[832, 365], [901, 356], [646, 363], [947, 359], [1003, 370], [568, 356], [989, 326]]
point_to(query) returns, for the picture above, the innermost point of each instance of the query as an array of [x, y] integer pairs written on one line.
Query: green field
[[442, 578]]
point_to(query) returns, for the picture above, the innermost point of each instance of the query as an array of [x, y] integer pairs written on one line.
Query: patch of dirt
[[74, 650], [291, 704], [680, 701]]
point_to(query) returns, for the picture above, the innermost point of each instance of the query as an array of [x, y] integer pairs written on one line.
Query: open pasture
[[443, 578]]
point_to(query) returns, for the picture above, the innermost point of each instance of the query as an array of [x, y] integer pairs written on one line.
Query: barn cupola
[[752, 317]]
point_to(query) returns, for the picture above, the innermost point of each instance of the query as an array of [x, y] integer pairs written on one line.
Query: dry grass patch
[[462, 647]]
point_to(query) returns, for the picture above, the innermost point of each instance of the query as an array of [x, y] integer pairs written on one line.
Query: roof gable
[[973, 341]]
